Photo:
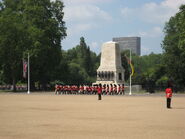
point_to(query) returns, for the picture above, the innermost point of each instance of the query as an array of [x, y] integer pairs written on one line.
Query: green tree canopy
[[82, 64], [31, 26], [174, 48]]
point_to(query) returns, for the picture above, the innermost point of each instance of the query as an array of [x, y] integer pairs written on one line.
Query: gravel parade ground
[[49, 116]]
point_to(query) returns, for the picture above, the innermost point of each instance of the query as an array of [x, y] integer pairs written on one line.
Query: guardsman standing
[[107, 90], [111, 89], [96, 89], [99, 91], [123, 89], [80, 89], [60, 89], [119, 89], [56, 89], [115, 89], [168, 96], [91, 89], [104, 89], [83, 89]]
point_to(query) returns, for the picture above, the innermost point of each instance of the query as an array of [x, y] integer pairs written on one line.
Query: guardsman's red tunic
[[99, 90], [168, 92]]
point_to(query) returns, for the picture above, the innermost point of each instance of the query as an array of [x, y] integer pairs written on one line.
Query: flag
[[25, 65], [131, 66]]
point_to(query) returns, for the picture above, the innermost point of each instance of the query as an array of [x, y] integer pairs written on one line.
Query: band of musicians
[[106, 89]]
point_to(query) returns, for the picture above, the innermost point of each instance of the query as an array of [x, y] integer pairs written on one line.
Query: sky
[[98, 21]]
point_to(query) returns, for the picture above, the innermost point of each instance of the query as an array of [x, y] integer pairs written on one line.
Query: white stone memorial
[[110, 70]]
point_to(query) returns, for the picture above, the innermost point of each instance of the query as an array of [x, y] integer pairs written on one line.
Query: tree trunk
[[43, 86], [32, 86], [14, 85]]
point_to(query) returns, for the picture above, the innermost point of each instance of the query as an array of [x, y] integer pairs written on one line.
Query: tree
[[38, 28], [12, 39], [46, 30], [84, 55], [82, 64], [77, 74], [174, 48], [125, 64], [148, 69]]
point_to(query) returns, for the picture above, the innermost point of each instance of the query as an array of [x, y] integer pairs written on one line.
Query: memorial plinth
[[110, 70]]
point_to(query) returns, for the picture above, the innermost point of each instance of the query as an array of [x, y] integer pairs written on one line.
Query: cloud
[[96, 46], [156, 13], [126, 11], [145, 50], [84, 13], [83, 16], [172, 4], [86, 1], [154, 32], [79, 28], [151, 33], [78, 10]]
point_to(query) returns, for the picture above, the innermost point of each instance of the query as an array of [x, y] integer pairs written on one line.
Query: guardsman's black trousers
[[99, 96], [168, 102]]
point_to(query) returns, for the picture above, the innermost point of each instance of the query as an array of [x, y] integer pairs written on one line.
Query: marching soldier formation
[[105, 89], [99, 89]]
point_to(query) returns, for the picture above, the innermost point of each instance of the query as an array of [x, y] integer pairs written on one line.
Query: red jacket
[[168, 92], [122, 88], [99, 90], [119, 88]]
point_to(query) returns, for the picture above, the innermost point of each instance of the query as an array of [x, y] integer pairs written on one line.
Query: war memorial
[[110, 70]]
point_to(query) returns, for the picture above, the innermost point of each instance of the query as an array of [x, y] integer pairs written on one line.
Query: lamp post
[[28, 74], [130, 93]]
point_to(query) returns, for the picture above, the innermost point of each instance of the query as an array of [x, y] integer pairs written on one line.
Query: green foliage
[[11, 41], [31, 26], [78, 75], [174, 48], [125, 64], [148, 69], [82, 64], [162, 81]]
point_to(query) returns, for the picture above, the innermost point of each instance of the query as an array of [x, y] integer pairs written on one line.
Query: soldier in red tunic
[[61, 89], [90, 89], [111, 89], [115, 89], [82, 89], [168, 96], [119, 89], [76, 89], [99, 91], [57, 89], [65, 89], [107, 90], [123, 89], [96, 89], [104, 89]]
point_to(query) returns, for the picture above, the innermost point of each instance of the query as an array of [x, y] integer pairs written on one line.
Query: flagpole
[[28, 74], [130, 93]]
